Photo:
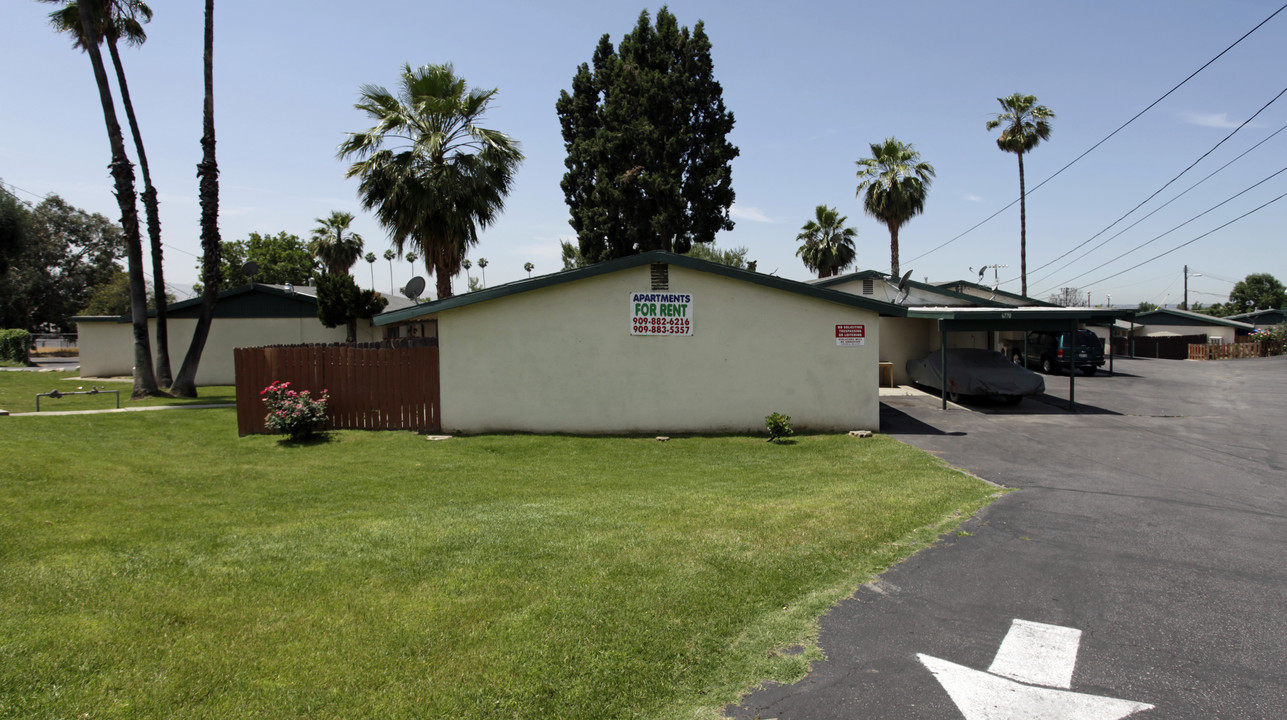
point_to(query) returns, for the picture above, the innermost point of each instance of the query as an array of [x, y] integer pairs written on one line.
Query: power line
[[1177, 227], [1159, 190], [1182, 245], [1109, 136]]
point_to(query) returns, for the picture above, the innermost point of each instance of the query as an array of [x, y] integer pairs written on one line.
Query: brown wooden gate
[[391, 385]]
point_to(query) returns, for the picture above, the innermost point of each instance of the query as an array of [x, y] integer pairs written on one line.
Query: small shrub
[[779, 426], [297, 414], [15, 346]]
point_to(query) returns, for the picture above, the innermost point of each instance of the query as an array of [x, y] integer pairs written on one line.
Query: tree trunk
[[893, 250], [163, 375], [1023, 233], [208, 171], [123, 175]]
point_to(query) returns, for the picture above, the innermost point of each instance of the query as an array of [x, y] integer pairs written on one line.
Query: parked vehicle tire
[[1088, 371], [954, 397], [1047, 367], [1011, 399]]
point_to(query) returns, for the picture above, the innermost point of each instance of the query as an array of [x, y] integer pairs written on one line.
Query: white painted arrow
[[1031, 653]]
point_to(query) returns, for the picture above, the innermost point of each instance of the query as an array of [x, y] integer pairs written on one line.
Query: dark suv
[[1052, 351]]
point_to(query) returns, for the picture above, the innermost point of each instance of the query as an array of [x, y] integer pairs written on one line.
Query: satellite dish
[[902, 288], [414, 288], [250, 268]]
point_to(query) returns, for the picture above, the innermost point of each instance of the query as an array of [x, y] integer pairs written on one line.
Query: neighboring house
[[1262, 318], [575, 352], [986, 292], [251, 315], [1167, 322]]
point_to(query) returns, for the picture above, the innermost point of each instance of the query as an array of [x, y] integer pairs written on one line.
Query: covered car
[[976, 373]]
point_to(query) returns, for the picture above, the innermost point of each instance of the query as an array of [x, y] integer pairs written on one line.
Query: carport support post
[[1072, 372], [942, 354]]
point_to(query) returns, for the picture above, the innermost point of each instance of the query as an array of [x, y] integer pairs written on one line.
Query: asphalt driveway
[[1153, 521]]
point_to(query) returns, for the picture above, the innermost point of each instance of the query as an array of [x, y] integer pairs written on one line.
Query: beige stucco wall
[[562, 359], [1226, 334], [903, 339], [107, 349]]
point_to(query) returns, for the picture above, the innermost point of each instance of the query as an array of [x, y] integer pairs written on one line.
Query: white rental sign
[[661, 313]]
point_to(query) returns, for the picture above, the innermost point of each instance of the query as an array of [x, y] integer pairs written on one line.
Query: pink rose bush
[[297, 414]]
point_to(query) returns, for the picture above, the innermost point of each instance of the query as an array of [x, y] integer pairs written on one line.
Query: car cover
[[975, 372]]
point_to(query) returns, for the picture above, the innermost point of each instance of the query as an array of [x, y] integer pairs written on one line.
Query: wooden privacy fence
[[373, 386], [1174, 347], [1233, 351]]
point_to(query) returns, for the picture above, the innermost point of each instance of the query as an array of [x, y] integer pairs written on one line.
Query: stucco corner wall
[[562, 359]]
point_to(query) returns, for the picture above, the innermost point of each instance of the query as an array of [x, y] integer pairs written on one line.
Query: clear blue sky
[[811, 84]]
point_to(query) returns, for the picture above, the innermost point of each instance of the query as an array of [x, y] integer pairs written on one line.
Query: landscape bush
[[15, 346], [779, 426], [297, 414]]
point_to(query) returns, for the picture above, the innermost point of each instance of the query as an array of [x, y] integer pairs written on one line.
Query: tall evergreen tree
[[645, 127]]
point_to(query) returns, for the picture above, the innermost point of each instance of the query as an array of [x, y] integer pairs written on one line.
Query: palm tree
[[185, 383], [89, 32], [529, 267], [828, 246], [334, 244], [430, 172], [896, 181], [124, 20], [1026, 125], [482, 268], [370, 260], [389, 255]]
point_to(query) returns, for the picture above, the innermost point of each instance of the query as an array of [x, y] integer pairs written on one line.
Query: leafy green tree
[[733, 257], [895, 181], [61, 254], [334, 245], [185, 383], [282, 258], [1145, 306], [124, 21], [15, 228], [431, 173], [1258, 291], [1024, 124], [95, 26], [341, 302], [827, 246], [113, 297], [645, 127]]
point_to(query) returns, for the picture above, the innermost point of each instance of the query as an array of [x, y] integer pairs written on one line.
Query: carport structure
[[1015, 319]]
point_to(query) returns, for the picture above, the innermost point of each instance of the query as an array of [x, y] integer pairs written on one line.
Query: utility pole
[[1185, 304]]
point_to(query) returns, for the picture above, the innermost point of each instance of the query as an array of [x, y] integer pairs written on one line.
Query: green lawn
[[153, 565], [18, 393]]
